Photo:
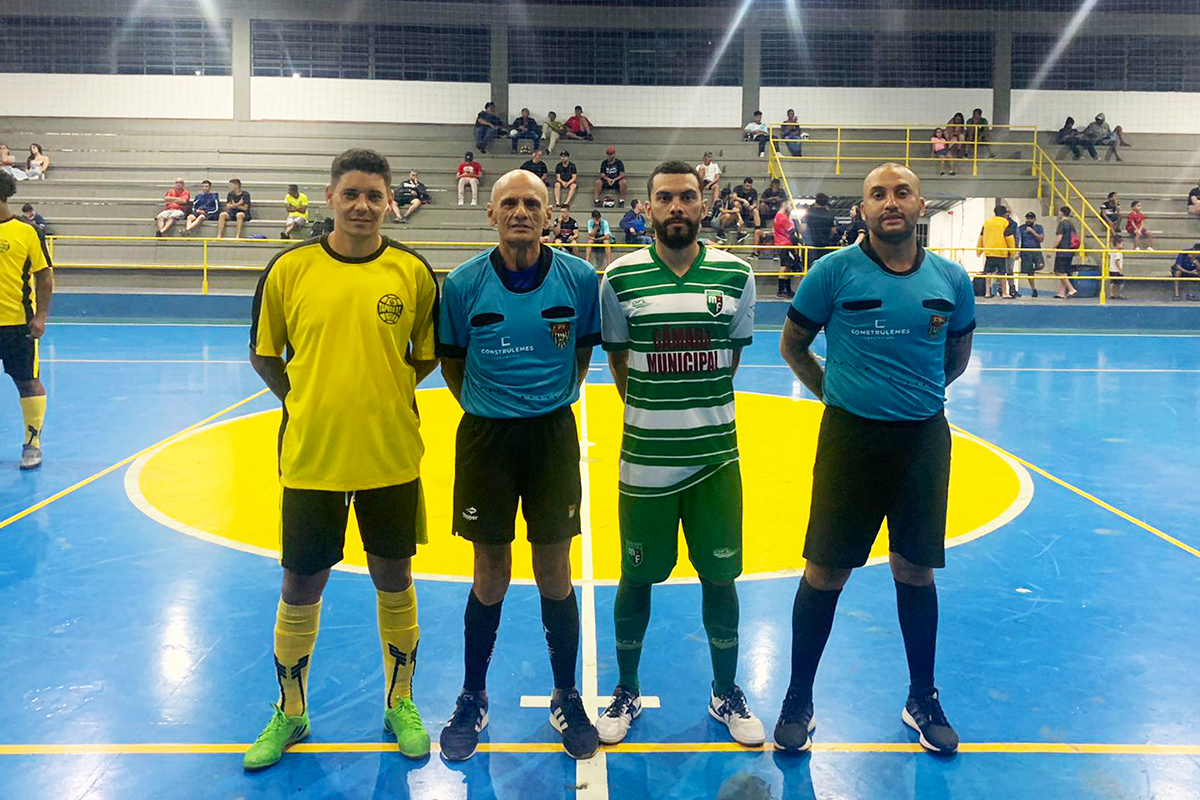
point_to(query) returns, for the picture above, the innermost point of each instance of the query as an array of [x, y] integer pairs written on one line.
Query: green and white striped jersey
[[681, 333]]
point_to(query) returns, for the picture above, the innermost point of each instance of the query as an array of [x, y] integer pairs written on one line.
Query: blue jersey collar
[[545, 259]]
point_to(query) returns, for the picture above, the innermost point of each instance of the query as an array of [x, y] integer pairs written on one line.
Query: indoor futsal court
[[139, 585]]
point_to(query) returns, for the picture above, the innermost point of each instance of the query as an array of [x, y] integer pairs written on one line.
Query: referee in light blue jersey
[[898, 323], [518, 324]]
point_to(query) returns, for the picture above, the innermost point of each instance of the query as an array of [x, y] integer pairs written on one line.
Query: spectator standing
[[566, 230], [552, 128], [1116, 269], [1031, 237], [820, 228], [978, 131], [784, 230], [856, 231], [599, 233], [1135, 226], [525, 128], [756, 131], [997, 247], [941, 151], [634, 225], [411, 194], [35, 219], [710, 177], [205, 206], [1187, 265], [487, 127], [237, 207], [1193, 200], [566, 179], [37, 164], [175, 204], [612, 178], [469, 172], [791, 133], [578, 126], [1066, 242], [1110, 210], [535, 165], [1014, 287], [772, 198], [296, 205]]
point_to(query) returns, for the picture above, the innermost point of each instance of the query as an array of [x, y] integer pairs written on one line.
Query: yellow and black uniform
[[996, 245], [22, 253], [349, 329]]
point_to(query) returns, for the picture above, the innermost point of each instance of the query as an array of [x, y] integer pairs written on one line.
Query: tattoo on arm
[[794, 347]]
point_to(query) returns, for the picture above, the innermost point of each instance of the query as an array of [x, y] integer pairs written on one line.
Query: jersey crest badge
[[389, 308], [716, 301], [936, 323], [561, 331]]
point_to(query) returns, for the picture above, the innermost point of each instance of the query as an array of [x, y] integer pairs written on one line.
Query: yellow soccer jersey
[[299, 202], [347, 328], [21, 254]]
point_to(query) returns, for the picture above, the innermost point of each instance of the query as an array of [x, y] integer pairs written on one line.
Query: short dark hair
[[747, 179], [1065, 211], [293, 189], [488, 104], [1000, 210], [669, 168], [1135, 203], [1030, 214], [1110, 195], [235, 180], [1116, 239], [595, 213], [822, 199], [206, 182], [27, 207], [756, 114], [8, 186], [358, 159], [980, 110]]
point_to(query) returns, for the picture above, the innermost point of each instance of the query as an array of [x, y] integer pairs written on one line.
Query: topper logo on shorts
[[716, 301], [389, 308], [470, 514], [561, 331], [936, 323]]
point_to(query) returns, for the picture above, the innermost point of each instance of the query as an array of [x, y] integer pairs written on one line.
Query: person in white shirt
[[710, 177], [756, 131], [1116, 269]]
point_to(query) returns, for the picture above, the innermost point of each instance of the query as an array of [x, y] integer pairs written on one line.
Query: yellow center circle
[[220, 483]]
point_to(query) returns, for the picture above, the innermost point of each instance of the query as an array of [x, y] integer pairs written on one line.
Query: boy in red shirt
[[469, 172], [1135, 226]]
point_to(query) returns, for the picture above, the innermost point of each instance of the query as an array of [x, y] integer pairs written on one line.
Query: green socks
[[720, 609], [631, 612]]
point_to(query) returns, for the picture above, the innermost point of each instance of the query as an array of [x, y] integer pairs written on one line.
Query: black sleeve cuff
[[442, 350], [803, 321], [590, 340], [963, 332]]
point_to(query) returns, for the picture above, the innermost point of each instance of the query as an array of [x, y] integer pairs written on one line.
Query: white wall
[[822, 106], [959, 226], [145, 96], [634, 106], [1152, 112], [342, 100]]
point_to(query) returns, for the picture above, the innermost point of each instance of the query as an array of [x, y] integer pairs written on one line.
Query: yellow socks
[[34, 411], [399, 634], [295, 637]]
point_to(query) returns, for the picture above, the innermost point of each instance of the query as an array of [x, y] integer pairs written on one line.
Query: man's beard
[[676, 241], [894, 237]]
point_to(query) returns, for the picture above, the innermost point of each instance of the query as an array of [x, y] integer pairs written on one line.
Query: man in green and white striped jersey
[[674, 318]]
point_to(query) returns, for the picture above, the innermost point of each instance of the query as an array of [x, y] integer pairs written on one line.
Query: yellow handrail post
[[204, 278], [975, 154], [837, 169], [907, 143]]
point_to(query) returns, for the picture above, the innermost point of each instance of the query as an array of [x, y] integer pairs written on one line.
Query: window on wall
[[604, 56], [894, 60], [826, 58], [100, 45], [380, 52], [1108, 63]]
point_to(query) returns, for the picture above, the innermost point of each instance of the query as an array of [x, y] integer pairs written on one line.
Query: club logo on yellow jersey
[[4, 245], [389, 308]]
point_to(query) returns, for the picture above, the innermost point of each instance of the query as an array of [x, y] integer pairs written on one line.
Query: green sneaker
[[404, 721], [281, 733]]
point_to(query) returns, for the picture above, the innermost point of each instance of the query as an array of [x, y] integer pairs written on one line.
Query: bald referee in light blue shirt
[[898, 325]]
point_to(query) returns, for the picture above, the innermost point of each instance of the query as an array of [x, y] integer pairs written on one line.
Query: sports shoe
[[474, 202], [31, 456], [730, 708], [281, 733], [623, 709], [925, 716], [404, 722], [460, 737], [579, 736], [795, 723]]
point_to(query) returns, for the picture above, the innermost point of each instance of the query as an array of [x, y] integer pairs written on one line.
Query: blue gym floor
[[137, 661]]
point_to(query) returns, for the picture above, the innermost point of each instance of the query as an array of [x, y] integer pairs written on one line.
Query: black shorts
[[314, 524], [500, 461], [867, 470], [234, 212], [1031, 263], [18, 352], [1063, 265], [993, 265], [610, 184]]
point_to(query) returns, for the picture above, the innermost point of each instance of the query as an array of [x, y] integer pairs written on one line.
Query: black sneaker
[[925, 716], [795, 723], [460, 737], [579, 736]]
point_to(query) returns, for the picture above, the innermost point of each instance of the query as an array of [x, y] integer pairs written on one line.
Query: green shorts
[[711, 514]]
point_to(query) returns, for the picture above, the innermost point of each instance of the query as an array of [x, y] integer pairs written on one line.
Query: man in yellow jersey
[[353, 314], [23, 260]]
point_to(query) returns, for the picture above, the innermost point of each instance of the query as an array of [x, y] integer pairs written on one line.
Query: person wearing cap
[[710, 177], [1031, 236], [612, 178], [1098, 132], [566, 179]]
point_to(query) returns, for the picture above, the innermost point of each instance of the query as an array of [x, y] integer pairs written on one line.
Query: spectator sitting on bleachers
[[204, 207], [1116, 268], [756, 131], [750, 215], [772, 198], [525, 128], [1110, 210], [956, 135], [8, 163], [978, 131], [566, 179], [728, 215], [535, 165], [411, 194], [37, 164], [579, 126], [469, 172], [634, 225], [295, 204], [941, 151], [599, 232], [1068, 136], [1187, 265], [791, 132], [710, 177], [1135, 226], [1098, 133], [566, 229], [175, 203], [35, 219], [487, 127], [611, 180], [1193, 200], [237, 208], [552, 128]]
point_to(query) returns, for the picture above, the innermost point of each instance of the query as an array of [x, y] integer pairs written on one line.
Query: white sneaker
[[730, 708], [460, 202], [474, 203], [614, 723]]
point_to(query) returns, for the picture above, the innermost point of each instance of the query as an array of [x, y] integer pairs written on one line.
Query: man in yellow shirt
[[342, 333], [23, 261], [998, 247], [296, 203]]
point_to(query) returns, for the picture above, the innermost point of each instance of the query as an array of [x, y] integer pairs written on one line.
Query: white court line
[[1134, 370], [543, 701]]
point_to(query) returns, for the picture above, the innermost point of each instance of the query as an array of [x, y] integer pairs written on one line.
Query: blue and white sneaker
[[460, 737], [569, 718], [730, 709], [623, 709]]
